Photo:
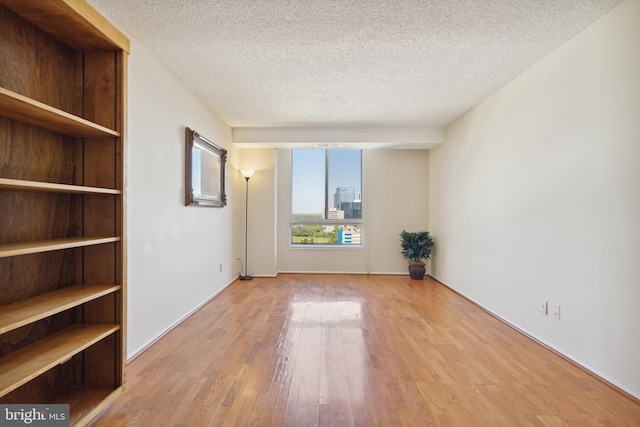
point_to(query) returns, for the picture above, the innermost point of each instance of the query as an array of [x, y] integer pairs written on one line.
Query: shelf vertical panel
[[103, 166], [121, 209]]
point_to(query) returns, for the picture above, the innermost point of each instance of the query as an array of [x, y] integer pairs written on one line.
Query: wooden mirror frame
[[219, 200]]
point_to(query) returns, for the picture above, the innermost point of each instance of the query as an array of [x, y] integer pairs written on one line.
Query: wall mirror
[[204, 172]]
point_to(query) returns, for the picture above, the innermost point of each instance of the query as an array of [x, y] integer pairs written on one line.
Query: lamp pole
[[247, 174]]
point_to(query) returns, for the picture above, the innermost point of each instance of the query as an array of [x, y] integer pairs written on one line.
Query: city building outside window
[[326, 197]]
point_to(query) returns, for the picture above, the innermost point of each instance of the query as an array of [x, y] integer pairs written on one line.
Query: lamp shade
[[247, 173]]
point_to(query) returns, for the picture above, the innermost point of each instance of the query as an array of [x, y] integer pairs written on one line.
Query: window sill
[[326, 247]]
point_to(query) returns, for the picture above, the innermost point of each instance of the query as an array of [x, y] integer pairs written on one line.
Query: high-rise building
[[343, 194], [357, 209], [335, 214], [344, 199]]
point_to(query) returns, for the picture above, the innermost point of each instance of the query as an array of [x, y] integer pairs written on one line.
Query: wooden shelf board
[[73, 22], [22, 366], [86, 402], [13, 316], [27, 110], [19, 184], [25, 248]]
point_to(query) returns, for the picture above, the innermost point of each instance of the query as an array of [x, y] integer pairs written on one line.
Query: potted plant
[[416, 246]]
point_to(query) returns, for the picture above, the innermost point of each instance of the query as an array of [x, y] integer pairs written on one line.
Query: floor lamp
[[247, 173]]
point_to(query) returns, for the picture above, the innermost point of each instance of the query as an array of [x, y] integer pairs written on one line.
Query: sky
[[308, 173]]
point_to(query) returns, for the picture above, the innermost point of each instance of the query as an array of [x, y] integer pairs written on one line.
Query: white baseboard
[[378, 273], [153, 340], [389, 273], [373, 273]]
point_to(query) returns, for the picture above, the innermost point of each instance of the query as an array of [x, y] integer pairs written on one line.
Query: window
[[326, 206]]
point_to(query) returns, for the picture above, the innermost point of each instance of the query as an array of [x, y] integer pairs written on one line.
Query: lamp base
[[245, 277]]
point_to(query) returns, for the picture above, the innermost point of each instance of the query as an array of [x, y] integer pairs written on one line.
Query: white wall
[[174, 251], [536, 195], [394, 197], [396, 184]]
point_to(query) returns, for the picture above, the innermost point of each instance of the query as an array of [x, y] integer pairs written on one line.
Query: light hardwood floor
[[343, 350]]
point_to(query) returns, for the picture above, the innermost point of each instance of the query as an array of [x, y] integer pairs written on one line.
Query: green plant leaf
[[416, 245]]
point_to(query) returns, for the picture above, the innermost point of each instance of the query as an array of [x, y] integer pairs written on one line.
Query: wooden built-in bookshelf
[[62, 233]]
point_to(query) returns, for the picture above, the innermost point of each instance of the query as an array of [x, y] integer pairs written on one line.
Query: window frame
[[329, 222]]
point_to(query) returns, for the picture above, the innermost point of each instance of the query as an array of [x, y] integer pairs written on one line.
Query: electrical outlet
[[220, 268], [543, 307], [556, 311]]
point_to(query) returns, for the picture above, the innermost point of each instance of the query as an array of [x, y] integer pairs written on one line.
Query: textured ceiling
[[345, 62]]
